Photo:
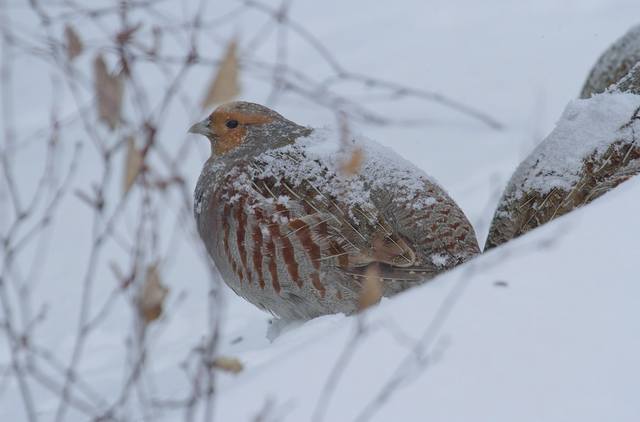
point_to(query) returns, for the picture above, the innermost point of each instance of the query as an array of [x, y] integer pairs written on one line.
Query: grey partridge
[[614, 63], [593, 148], [295, 234]]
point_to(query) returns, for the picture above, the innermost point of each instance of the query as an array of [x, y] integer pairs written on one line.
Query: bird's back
[[592, 150]]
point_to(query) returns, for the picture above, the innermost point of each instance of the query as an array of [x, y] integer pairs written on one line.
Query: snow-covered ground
[[545, 328]]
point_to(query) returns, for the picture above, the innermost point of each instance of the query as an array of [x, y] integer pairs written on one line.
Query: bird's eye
[[231, 124]]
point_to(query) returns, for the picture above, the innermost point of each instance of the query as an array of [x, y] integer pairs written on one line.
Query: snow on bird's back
[[324, 149], [587, 126], [381, 168]]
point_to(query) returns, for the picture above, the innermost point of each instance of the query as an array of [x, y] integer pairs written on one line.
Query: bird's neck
[[258, 143]]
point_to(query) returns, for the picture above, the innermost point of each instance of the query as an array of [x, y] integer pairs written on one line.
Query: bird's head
[[248, 126]]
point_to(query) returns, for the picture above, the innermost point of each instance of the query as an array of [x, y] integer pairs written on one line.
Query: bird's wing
[[350, 232]]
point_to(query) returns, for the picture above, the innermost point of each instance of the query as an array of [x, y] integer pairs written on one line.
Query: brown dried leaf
[[228, 364], [109, 91], [352, 166], [371, 290], [225, 85], [133, 164], [125, 36], [152, 295], [74, 43]]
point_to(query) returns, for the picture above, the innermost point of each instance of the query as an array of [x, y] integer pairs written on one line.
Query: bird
[[295, 232], [593, 149], [629, 83], [614, 63]]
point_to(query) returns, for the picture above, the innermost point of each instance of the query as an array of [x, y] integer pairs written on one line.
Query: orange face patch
[[228, 138]]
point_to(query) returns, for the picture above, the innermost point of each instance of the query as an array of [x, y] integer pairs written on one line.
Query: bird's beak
[[201, 128]]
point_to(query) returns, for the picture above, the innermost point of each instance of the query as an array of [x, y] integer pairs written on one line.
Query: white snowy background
[[545, 328]]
